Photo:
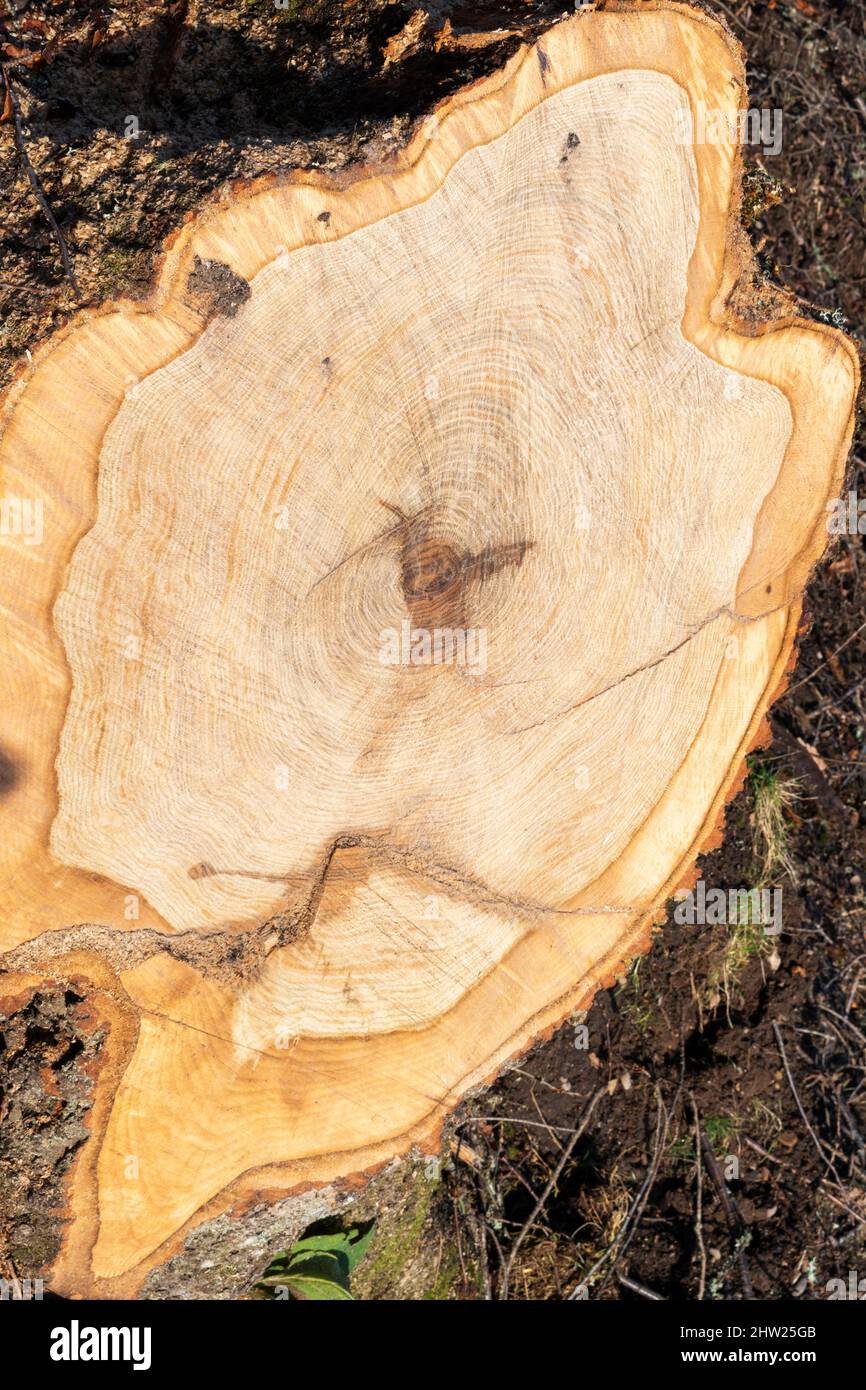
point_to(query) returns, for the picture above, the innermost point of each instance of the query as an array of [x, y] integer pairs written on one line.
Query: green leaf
[[307, 1287], [318, 1267], [329, 1245], [359, 1241], [279, 1261], [351, 1244], [331, 1266], [322, 1276]]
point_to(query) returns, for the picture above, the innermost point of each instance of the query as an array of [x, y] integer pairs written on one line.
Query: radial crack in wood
[[414, 574]]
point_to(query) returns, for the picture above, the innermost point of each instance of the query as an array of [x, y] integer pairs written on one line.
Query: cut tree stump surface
[[414, 573]]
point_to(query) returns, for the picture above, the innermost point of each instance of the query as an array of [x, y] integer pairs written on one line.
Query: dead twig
[[640, 1288], [699, 1202], [794, 1092], [550, 1185], [25, 289], [771, 1158], [518, 1120], [459, 1242], [36, 183], [837, 1200], [635, 1211], [733, 1215], [812, 674]]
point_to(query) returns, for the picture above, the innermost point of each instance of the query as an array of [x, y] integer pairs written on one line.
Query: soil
[[680, 1039], [49, 1050], [131, 115]]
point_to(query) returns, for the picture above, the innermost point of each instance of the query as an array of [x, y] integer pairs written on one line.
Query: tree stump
[[389, 606]]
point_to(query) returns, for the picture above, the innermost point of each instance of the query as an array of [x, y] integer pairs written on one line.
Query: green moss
[[406, 1257], [447, 1277], [119, 269]]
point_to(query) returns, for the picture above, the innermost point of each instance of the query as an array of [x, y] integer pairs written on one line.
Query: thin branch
[[812, 674], [36, 184], [551, 1184], [733, 1215], [804, 1117], [635, 1211], [699, 1205], [640, 1288]]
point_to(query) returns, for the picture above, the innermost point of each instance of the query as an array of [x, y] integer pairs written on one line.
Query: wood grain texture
[[320, 879]]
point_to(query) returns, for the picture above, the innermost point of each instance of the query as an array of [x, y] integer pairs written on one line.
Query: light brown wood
[[320, 882]]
